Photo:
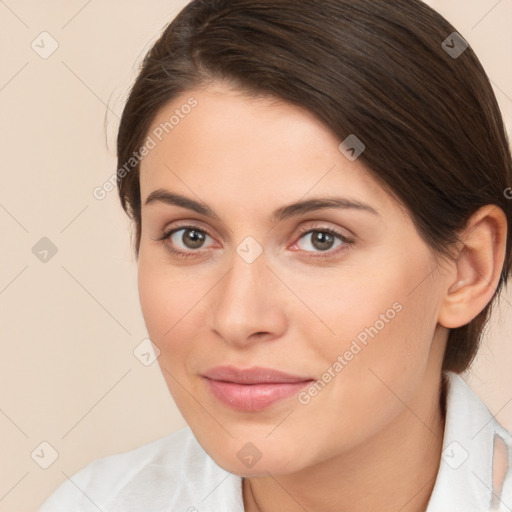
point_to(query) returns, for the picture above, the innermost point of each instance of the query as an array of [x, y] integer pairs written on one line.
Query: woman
[[321, 193]]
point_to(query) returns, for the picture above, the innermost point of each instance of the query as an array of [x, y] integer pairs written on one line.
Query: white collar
[[465, 478]]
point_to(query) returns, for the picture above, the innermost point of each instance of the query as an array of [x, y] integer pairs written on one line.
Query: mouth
[[252, 389]]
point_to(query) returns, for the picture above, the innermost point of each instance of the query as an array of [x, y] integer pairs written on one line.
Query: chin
[[257, 458], [260, 469]]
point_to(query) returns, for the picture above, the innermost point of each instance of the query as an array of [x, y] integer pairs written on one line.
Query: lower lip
[[253, 397]]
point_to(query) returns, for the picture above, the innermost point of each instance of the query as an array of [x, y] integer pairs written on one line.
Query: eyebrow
[[284, 212]]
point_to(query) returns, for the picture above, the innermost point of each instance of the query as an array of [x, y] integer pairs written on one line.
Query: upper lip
[[252, 375]]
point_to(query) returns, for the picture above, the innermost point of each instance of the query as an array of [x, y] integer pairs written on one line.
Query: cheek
[[174, 303], [357, 300], [384, 335], [164, 302], [363, 385], [381, 318]]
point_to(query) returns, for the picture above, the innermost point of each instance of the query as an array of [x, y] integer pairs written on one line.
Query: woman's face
[[341, 300]]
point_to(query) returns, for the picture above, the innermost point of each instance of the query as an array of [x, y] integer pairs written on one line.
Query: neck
[[394, 470]]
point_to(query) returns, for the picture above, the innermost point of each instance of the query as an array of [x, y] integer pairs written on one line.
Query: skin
[[371, 438]]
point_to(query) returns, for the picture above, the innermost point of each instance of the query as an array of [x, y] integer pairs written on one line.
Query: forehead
[[241, 148]]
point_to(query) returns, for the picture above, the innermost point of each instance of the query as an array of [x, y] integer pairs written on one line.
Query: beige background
[[70, 325]]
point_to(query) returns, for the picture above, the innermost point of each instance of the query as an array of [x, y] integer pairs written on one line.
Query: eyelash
[[324, 254]]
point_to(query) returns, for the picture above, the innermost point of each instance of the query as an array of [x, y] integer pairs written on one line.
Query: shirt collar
[[464, 480]]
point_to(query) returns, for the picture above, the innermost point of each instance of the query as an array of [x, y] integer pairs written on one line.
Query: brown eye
[[321, 242], [192, 238], [322, 239], [185, 240]]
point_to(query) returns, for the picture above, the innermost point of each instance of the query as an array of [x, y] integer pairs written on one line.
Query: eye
[[188, 239], [322, 240], [191, 239]]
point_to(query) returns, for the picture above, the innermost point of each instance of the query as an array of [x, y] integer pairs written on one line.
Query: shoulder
[[171, 471]]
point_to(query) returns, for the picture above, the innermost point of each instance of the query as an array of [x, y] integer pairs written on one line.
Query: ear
[[476, 270]]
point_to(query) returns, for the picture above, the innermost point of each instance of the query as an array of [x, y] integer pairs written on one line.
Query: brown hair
[[430, 122]]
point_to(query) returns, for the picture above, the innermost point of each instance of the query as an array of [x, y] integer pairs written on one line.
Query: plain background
[[70, 324]]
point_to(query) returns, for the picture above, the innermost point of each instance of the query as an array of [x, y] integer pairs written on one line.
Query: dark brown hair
[[429, 119]]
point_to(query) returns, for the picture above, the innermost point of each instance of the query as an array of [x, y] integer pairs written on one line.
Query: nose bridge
[[244, 302], [241, 289], [248, 268]]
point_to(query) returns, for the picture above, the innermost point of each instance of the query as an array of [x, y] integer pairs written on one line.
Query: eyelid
[[322, 226], [190, 223]]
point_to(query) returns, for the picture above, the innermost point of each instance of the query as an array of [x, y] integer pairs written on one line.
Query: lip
[[252, 389]]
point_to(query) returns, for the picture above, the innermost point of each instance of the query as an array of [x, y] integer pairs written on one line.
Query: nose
[[249, 303]]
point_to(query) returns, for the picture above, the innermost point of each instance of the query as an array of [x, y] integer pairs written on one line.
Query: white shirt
[[175, 474]]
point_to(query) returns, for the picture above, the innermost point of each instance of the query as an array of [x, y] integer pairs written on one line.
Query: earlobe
[[477, 268]]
